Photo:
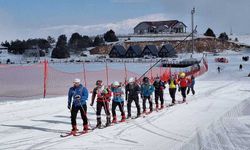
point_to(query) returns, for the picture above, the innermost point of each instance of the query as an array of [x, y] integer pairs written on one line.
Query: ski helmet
[[131, 80], [99, 82], [145, 80], [76, 80], [116, 83], [182, 75]]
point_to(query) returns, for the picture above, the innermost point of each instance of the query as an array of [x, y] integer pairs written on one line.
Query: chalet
[[155, 27], [167, 51], [150, 50], [133, 52], [117, 51]]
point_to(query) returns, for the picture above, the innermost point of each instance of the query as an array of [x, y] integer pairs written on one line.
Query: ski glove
[[69, 107]]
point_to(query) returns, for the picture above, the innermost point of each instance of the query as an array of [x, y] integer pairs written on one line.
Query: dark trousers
[[83, 111], [183, 92], [105, 106], [172, 92], [121, 107], [145, 98], [130, 100], [159, 94], [192, 89]]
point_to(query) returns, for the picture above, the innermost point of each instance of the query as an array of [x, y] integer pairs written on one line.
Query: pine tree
[[209, 32], [223, 36], [98, 41], [110, 36], [61, 49]]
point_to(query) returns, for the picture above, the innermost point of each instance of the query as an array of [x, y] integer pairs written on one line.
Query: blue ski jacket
[[79, 95], [117, 94], [147, 89]]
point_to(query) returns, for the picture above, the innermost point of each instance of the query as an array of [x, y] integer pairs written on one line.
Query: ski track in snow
[[217, 117]]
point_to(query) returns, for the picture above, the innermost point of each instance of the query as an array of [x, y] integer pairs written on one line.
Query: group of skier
[[78, 96]]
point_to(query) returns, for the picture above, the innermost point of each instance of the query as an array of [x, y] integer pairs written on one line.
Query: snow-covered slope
[[215, 118]]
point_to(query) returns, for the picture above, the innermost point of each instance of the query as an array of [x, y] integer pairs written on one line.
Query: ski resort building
[[167, 51], [117, 51], [155, 27], [150, 50]]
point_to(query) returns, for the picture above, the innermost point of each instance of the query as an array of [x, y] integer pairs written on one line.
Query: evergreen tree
[[223, 36], [98, 41], [51, 40], [209, 32], [110, 36], [61, 49], [6, 44], [74, 42]]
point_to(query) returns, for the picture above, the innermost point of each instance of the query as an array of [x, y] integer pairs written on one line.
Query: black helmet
[[145, 80], [98, 82]]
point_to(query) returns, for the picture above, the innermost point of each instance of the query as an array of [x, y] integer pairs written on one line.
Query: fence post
[[84, 75], [126, 75], [107, 74], [45, 77]]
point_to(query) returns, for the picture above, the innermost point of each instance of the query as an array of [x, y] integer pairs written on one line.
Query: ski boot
[[99, 123], [123, 118], [114, 119], [108, 122], [85, 128]]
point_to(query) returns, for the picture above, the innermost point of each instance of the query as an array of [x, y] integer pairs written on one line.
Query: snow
[[217, 117]]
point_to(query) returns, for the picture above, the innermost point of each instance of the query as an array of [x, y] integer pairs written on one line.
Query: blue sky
[[40, 18]]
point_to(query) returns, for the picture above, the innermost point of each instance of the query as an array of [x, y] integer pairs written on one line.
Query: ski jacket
[[191, 82], [103, 95], [159, 86], [132, 90], [147, 90], [183, 82], [172, 83], [117, 94], [79, 95]]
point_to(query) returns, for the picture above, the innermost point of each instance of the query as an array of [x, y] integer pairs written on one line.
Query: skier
[[146, 93], [191, 85], [240, 67], [117, 100], [183, 82], [132, 90], [80, 97], [172, 88], [218, 68], [159, 90], [103, 95]]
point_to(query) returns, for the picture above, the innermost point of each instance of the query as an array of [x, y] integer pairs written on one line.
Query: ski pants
[[83, 111], [159, 94], [99, 106], [130, 100], [172, 92], [192, 89], [145, 98], [183, 92], [121, 107]]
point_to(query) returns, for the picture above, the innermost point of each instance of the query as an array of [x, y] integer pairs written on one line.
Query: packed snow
[[217, 117]]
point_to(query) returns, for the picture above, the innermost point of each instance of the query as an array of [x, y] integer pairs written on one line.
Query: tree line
[[63, 47]]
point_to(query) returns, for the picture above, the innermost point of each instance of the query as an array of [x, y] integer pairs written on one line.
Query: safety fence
[[51, 80]]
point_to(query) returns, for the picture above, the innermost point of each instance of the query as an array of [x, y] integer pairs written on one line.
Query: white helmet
[[116, 83], [76, 80], [131, 80]]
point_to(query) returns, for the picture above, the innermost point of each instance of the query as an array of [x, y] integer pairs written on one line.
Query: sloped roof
[[153, 49], [168, 47], [136, 48], [119, 49], [169, 23]]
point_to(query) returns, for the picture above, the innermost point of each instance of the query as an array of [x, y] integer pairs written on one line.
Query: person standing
[[172, 88], [219, 69], [146, 93], [240, 67], [117, 100], [183, 83], [159, 87], [191, 85], [79, 94], [103, 95], [132, 90]]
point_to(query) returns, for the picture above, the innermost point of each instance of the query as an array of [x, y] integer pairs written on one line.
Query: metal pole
[[192, 18]]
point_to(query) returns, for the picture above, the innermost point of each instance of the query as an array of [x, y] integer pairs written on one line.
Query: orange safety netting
[[47, 80]]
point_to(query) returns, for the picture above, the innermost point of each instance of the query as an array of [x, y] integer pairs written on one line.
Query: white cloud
[[121, 27]]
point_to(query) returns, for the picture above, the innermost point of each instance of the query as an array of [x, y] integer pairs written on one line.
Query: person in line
[[103, 95], [159, 87], [183, 83], [191, 85], [172, 88], [132, 90], [79, 94], [117, 100], [146, 94]]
